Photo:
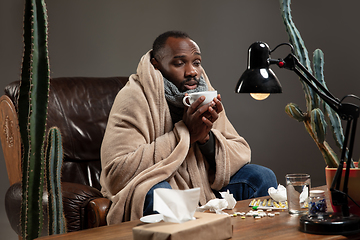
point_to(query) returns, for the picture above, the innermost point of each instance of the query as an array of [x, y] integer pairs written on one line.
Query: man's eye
[[178, 64], [197, 63]]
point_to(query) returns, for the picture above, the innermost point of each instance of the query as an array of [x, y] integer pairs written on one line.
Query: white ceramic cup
[[209, 96]]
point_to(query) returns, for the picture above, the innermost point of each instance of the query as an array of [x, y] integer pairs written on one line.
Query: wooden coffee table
[[280, 227]]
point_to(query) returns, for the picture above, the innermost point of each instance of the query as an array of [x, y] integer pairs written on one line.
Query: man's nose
[[190, 71]]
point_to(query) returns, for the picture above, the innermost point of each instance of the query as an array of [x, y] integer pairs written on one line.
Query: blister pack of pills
[[268, 204]]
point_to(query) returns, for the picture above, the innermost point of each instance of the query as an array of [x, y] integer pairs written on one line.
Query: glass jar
[[317, 202]]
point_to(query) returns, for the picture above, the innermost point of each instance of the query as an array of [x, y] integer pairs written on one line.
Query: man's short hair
[[160, 41]]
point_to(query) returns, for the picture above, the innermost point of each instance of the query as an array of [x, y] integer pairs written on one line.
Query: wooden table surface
[[280, 227]]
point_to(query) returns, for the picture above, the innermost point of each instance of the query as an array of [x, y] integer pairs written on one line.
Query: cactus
[[301, 52], [318, 125], [313, 118], [32, 112], [294, 111], [54, 157]]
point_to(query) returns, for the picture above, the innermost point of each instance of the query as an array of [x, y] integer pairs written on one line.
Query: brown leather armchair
[[79, 107]]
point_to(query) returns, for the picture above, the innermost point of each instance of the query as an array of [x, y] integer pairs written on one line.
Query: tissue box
[[206, 226]]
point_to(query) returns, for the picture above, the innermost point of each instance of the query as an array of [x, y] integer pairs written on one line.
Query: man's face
[[180, 63]]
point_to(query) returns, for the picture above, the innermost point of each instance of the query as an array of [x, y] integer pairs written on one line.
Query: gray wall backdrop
[[107, 38]]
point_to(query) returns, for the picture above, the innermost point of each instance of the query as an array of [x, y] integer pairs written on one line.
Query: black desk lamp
[[259, 80]]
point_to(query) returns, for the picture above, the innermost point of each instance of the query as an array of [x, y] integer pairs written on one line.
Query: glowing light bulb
[[259, 96]]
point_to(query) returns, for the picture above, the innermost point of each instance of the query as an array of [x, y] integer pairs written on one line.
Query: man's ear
[[155, 63]]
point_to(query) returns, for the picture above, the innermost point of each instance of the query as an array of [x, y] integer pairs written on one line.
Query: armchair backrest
[[79, 107]]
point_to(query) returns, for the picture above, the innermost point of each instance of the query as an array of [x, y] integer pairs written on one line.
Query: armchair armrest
[[76, 197], [97, 210], [10, 139]]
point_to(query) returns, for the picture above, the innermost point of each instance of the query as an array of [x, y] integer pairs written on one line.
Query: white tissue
[[229, 198], [214, 205], [217, 205], [176, 205], [278, 194], [304, 195]]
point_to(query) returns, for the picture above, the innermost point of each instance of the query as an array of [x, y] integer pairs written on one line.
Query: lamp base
[[330, 223]]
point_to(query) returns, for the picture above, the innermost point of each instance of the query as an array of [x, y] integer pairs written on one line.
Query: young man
[[152, 140]]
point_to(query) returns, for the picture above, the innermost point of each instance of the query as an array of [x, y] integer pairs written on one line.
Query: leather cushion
[[82, 172], [79, 107]]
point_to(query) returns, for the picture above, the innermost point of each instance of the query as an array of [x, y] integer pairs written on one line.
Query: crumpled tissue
[[229, 198], [278, 194], [218, 205], [304, 195], [176, 206]]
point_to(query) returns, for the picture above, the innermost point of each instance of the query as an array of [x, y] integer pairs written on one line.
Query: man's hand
[[200, 120], [217, 106]]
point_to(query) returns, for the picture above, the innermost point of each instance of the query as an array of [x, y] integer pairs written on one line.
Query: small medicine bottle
[[317, 202]]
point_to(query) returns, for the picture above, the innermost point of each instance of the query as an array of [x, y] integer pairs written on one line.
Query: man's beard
[[183, 83]]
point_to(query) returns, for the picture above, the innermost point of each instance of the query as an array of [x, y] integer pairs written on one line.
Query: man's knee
[[258, 178], [269, 177], [254, 173]]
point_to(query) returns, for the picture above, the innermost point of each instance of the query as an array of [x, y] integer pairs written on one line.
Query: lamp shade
[[258, 77]]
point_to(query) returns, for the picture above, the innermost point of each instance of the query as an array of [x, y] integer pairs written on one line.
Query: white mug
[[209, 96]]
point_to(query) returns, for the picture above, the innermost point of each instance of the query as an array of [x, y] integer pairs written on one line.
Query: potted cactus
[[318, 114]]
